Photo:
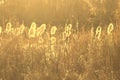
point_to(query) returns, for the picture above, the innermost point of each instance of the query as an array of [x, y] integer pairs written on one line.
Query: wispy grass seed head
[[40, 30], [98, 32], [32, 30], [53, 30], [110, 28], [22, 28], [8, 27]]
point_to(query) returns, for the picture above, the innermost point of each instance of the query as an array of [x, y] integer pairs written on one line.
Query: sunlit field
[[59, 40], [39, 53]]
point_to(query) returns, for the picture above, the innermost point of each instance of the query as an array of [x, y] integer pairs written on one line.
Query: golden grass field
[[55, 53]]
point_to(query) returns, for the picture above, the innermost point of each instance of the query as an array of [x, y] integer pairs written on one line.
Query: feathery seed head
[[98, 32], [8, 27], [32, 30], [53, 30], [33, 25], [40, 30], [110, 28], [22, 28]]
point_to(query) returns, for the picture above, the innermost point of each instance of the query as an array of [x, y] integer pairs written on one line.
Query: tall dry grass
[[89, 54]]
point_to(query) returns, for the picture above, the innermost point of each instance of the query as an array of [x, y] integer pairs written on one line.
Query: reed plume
[[22, 28], [32, 30], [40, 30], [110, 28], [98, 32], [8, 27], [53, 30], [67, 32]]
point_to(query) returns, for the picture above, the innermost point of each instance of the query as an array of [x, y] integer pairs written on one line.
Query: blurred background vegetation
[[88, 53], [59, 12]]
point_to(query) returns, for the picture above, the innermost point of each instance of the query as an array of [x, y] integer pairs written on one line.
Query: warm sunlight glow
[[59, 39]]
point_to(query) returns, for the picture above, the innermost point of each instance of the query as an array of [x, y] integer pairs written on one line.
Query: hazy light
[[2, 2]]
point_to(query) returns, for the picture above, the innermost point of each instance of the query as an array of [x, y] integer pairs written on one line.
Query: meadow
[[46, 52]]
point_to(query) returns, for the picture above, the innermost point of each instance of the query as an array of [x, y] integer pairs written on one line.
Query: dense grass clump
[[39, 53]]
